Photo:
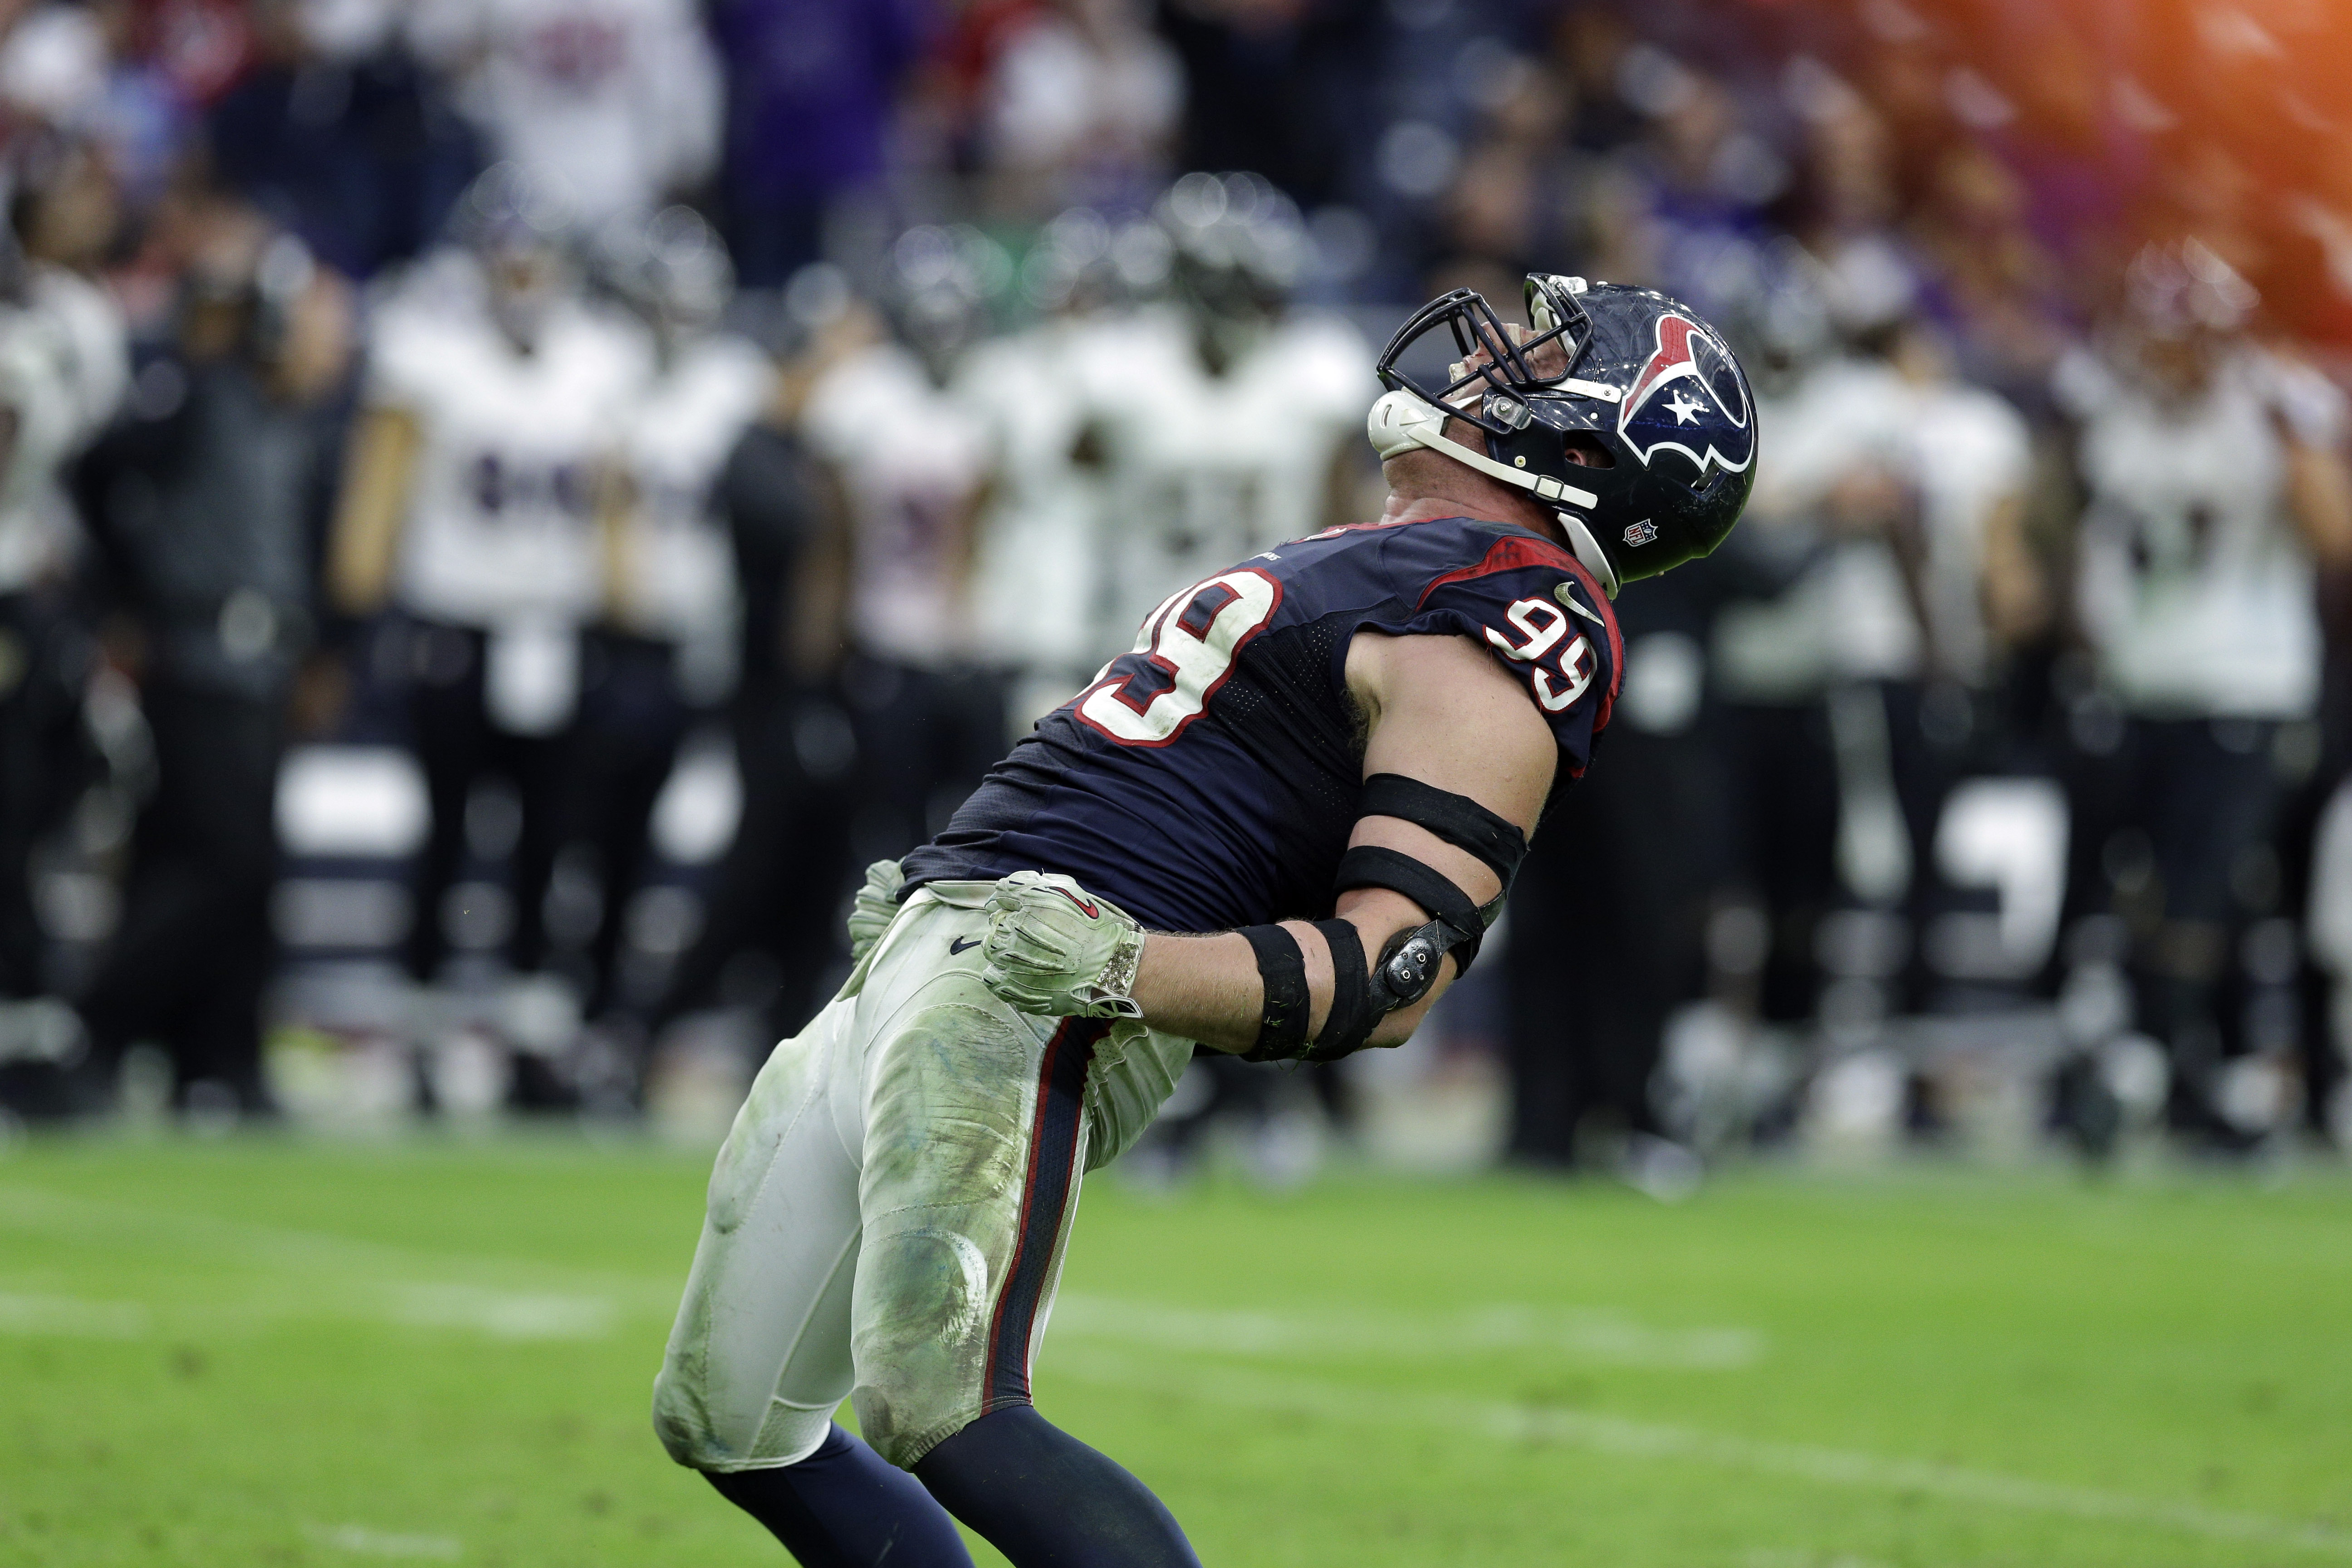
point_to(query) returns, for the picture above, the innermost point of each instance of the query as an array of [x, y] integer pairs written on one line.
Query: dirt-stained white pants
[[887, 1217]]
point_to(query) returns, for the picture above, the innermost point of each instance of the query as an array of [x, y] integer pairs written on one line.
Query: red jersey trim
[[1522, 551], [1511, 555]]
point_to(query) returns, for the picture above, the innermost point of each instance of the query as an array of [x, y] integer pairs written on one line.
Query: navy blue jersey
[[1209, 779]]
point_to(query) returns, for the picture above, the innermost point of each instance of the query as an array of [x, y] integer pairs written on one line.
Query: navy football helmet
[[1657, 408]]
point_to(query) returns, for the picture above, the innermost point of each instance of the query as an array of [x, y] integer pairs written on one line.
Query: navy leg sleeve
[[1047, 1501], [845, 1507]]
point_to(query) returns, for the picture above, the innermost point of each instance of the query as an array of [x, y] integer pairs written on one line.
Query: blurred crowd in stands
[[509, 504]]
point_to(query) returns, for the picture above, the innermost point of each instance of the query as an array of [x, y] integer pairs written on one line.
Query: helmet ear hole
[[1587, 450]]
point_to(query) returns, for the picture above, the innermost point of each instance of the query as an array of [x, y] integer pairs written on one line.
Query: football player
[[1329, 754], [1220, 422], [912, 462], [469, 505], [1902, 492], [1034, 559], [63, 368], [2216, 488], [668, 645]]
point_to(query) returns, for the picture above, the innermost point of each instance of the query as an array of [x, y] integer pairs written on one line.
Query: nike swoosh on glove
[[1057, 951], [876, 906]]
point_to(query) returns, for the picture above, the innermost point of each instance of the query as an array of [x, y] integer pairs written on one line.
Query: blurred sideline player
[[1889, 529], [1221, 423], [64, 365], [667, 647], [1034, 570], [2216, 488], [493, 401], [1331, 754], [911, 460]]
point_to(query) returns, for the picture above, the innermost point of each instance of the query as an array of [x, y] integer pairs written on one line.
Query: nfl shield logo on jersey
[[1641, 532], [1688, 399]]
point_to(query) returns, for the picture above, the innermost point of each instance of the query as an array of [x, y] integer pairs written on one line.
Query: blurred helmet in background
[[2181, 306], [940, 287], [2181, 289], [1236, 245], [518, 229], [1621, 408], [1071, 268], [1772, 303], [1785, 307], [672, 269]]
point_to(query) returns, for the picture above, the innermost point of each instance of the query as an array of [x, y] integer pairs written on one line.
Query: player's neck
[[1424, 485], [1424, 505]]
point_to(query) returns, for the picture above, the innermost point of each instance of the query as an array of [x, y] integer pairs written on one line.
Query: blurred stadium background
[[509, 504]]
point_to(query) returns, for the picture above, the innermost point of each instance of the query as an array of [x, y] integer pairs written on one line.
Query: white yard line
[[1650, 1440], [70, 1317], [317, 1275], [35, 1209], [1593, 1334], [516, 1315], [368, 1542]]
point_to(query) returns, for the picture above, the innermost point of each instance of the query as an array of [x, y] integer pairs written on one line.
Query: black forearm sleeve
[[1282, 969], [1354, 1011]]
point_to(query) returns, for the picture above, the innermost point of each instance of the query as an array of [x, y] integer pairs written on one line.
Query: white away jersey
[[1850, 616], [63, 368], [1204, 470], [1034, 577], [912, 458], [502, 523], [2195, 585], [687, 420], [678, 564]]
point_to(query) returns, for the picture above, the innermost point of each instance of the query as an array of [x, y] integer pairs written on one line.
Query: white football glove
[[1057, 951], [875, 907]]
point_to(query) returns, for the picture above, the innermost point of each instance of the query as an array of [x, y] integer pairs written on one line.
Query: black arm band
[[1353, 1010], [1456, 819], [1373, 865], [1282, 1026]]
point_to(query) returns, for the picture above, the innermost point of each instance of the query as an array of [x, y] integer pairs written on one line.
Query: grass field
[[302, 1352]]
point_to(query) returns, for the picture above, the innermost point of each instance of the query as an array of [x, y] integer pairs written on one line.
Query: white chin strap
[[1401, 421]]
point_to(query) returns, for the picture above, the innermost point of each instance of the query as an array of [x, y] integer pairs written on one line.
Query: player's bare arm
[[2319, 497], [2016, 596], [374, 501], [617, 500], [820, 589], [1439, 709]]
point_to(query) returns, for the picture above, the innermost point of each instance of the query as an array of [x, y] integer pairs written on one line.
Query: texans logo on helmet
[[1688, 399]]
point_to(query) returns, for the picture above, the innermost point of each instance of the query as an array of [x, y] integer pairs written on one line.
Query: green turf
[[300, 1352]]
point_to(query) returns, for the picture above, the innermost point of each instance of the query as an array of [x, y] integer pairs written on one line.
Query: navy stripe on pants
[[1046, 1197]]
